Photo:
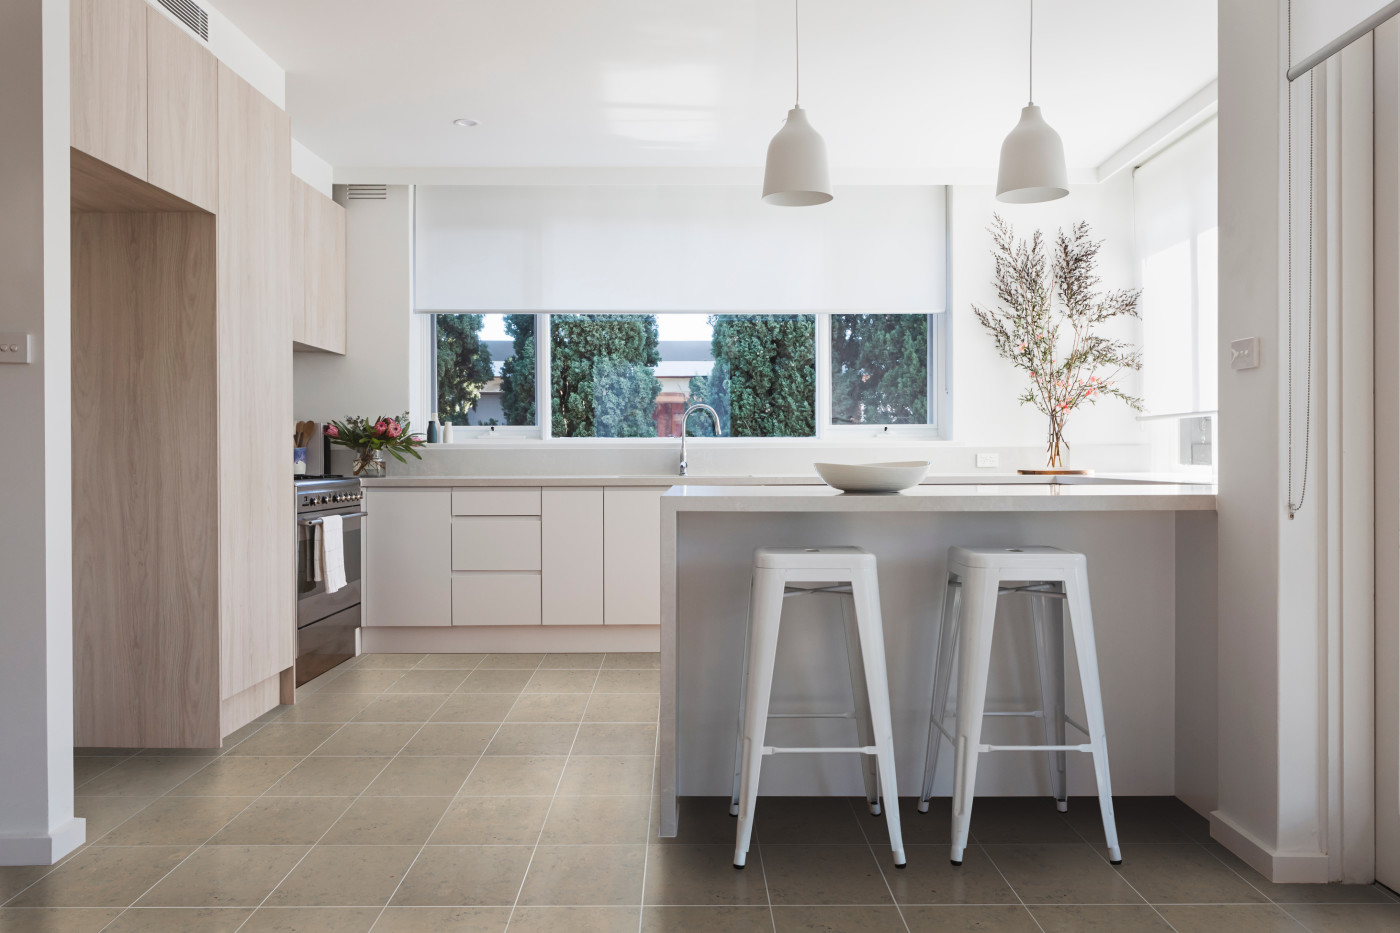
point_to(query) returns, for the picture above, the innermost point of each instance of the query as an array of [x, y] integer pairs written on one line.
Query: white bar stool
[[844, 571], [975, 576]]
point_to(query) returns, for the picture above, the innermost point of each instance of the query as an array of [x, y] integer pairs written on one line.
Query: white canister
[[446, 433]]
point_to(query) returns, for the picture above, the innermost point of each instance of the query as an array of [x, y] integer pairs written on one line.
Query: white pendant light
[[796, 173], [1032, 156]]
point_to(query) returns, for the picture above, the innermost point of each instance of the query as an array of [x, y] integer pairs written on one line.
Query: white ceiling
[[895, 86]]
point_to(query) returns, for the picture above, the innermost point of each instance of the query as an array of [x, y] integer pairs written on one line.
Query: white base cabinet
[[571, 559], [513, 556], [408, 557], [632, 555]]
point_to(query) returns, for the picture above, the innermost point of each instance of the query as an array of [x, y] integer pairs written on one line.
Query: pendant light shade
[[796, 173], [1032, 162], [1032, 165]]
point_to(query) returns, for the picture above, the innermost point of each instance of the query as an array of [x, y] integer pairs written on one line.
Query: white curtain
[[663, 249]]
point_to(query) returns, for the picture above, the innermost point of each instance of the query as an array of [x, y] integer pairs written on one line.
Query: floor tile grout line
[[203, 844], [86, 845], [1117, 869], [651, 809], [336, 821], [1012, 888], [515, 905], [879, 865]]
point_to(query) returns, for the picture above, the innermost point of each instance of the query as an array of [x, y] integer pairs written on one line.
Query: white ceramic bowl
[[873, 477]]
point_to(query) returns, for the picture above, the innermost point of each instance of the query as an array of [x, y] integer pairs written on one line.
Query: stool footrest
[[1035, 748], [849, 714], [821, 750]]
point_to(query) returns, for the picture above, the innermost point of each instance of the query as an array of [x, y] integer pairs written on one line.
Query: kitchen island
[[1151, 552]]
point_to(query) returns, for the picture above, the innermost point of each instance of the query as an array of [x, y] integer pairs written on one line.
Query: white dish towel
[[330, 553]]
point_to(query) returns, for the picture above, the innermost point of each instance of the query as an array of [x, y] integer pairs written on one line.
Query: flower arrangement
[[367, 438], [1031, 329]]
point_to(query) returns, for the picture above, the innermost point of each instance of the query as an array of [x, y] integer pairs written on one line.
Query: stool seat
[[850, 574], [1019, 558], [1049, 576]]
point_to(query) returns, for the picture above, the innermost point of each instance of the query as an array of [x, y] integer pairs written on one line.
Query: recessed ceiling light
[[466, 121]]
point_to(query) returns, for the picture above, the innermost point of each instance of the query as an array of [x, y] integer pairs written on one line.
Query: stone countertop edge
[[984, 497], [811, 479]]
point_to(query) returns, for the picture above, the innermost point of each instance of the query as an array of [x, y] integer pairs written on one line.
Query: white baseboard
[[1278, 867], [506, 639], [45, 849]]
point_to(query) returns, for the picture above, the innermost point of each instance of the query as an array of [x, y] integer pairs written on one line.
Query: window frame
[[939, 393]]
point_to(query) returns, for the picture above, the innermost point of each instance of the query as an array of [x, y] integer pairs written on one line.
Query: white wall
[[311, 168], [36, 567]]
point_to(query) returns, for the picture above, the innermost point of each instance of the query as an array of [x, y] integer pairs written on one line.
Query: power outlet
[[987, 461], [1244, 354], [14, 348]]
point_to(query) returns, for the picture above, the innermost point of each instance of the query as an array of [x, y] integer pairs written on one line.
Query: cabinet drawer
[[496, 599], [496, 500], [505, 542]]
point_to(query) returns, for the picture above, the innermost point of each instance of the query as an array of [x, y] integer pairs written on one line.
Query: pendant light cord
[[797, 53], [1030, 59]]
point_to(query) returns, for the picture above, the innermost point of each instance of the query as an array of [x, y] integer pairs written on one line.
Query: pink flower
[[332, 431], [1021, 347], [393, 429], [381, 428]]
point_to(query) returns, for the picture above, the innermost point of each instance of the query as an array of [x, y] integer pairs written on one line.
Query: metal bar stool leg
[[860, 701], [866, 596], [743, 690], [974, 663], [1050, 651], [942, 682], [1082, 625], [765, 613]]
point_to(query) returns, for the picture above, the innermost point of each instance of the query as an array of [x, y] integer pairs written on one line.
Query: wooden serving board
[[1056, 472]]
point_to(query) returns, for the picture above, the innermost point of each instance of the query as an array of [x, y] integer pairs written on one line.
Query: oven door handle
[[317, 521]]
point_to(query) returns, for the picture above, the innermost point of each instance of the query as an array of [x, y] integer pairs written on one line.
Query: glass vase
[[369, 464]]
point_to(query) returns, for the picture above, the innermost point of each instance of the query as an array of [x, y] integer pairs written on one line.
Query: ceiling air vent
[[191, 15], [368, 192]]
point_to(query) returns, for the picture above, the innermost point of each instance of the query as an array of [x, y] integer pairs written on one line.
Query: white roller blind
[[1319, 22], [1174, 207], [674, 249]]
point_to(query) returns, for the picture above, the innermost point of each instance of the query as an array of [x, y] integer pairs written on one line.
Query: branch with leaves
[[1047, 320]]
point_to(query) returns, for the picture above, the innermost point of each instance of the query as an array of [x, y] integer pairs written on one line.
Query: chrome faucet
[[685, 419]]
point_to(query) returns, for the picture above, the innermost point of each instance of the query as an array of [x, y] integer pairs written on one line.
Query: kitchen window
[[634, 375]]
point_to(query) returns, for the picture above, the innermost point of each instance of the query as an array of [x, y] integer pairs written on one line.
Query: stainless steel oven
[[327, 622]]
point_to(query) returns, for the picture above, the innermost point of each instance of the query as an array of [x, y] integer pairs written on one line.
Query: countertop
[[760, 479], [945, 497]]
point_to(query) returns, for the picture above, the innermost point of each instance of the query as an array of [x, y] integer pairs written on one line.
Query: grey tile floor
[[485, 793]]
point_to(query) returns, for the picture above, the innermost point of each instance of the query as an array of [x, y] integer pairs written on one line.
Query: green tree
[[518, 372], [601, 377], [463, 365], [764, 379], [879, 369]]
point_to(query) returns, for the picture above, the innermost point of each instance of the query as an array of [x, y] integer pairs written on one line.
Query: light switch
[[14, 348], [987, 461], [1244, 354]]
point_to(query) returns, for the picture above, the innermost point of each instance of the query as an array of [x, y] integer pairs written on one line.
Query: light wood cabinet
[[256, 509], [632, 555], [107, 74], [182, 106], [571, 556], [408, 557], [318, 261]]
